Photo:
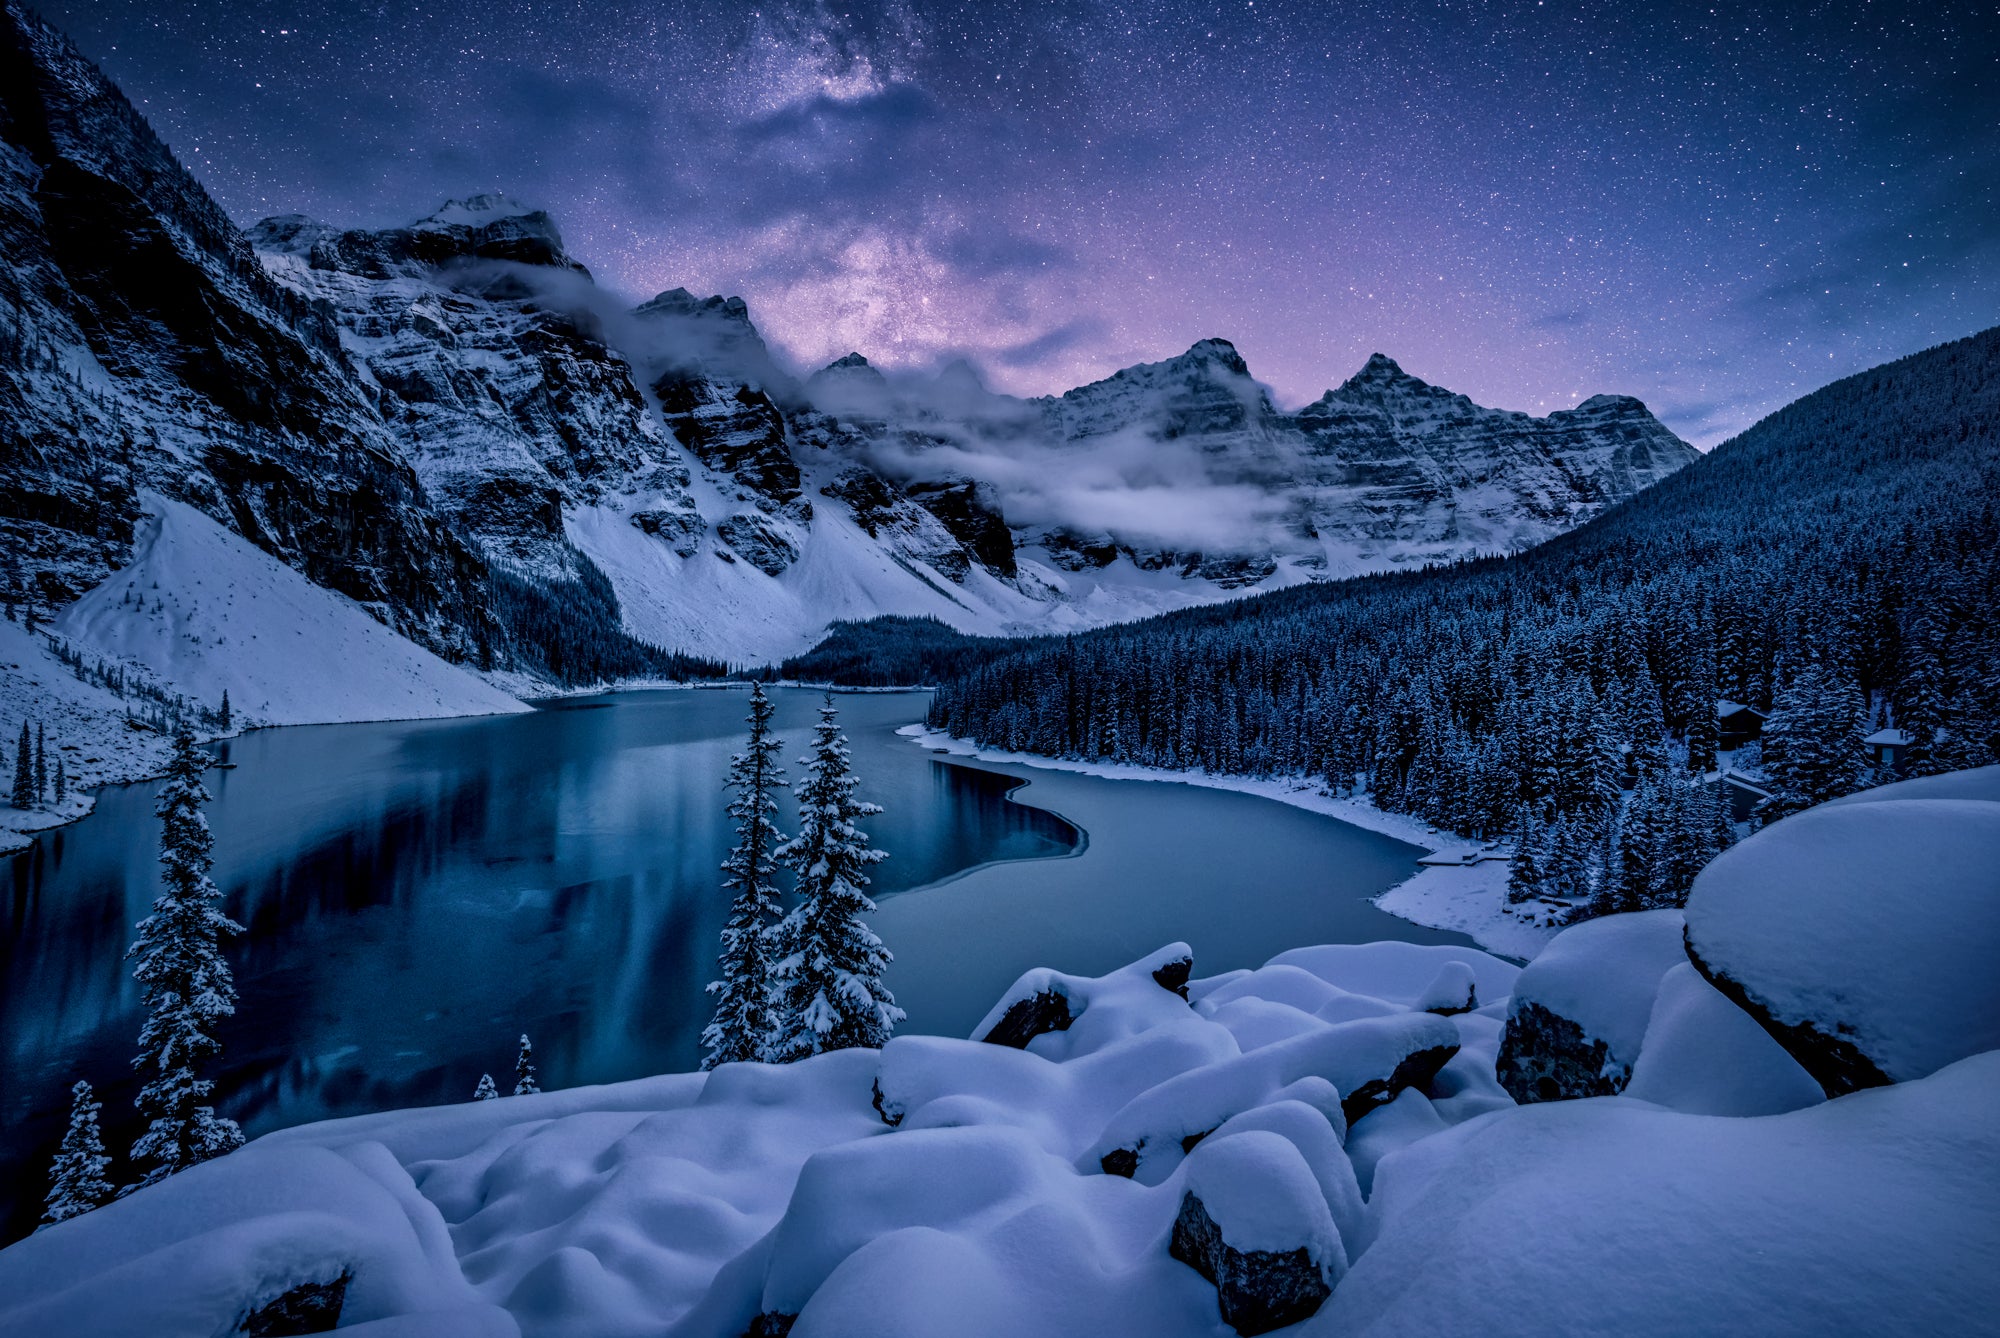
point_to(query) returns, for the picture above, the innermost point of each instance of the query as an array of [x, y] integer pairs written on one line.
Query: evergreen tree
[[62, 780], [829, 990], [524, 1069], [41, 764], [1525, 870], [486, 1091], [187, 983], [1812, 742], [24, 769], [76, 1181], [225, 717], [744, 1025]]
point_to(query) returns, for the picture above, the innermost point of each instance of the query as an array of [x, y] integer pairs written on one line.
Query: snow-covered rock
[[1253, 1222], [1579, 1011], [1862, 934], [936, 1182], [1705, 1056], [1873, 1213]]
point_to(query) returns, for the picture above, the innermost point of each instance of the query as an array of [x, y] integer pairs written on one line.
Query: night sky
[[1713, 209]]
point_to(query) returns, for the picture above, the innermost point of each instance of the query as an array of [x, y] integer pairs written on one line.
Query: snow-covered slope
[[1134, 1154], [206, 613]]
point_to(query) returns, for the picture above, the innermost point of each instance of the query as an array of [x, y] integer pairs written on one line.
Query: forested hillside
[[1836, 565]]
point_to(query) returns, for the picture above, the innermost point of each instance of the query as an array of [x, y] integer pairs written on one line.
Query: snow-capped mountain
[[418, 417]]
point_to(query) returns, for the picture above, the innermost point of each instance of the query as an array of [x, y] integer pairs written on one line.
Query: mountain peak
[[480, 210], [1216, 350], [851, 360], [680, 302]]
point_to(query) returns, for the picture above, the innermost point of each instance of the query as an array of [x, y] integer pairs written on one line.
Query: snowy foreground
[[1772, 1114]]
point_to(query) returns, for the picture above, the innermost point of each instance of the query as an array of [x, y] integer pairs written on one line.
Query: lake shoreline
[[1470, 900]]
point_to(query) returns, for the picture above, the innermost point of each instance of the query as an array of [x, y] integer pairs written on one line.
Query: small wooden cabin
[[1888, 748], [1737, 724]]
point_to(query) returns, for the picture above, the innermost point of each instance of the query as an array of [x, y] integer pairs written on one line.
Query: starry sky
[[1713, 208]]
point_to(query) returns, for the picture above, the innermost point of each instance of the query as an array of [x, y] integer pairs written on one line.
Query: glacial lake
[[418, 894]]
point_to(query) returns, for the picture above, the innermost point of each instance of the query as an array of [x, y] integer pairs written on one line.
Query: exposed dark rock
[[1231, 573], [1029, 1018], [1174, 975], [972, 513], [310, 1307], [1835, 1063], [681, 530], [1257, 1290], [1120, 1162], [1415, 1070], [771, 1324], [1076, 552], [1544, 1056], [758, 541], [733, 428]]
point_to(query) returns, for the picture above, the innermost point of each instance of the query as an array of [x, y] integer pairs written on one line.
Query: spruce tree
[[486, 1091], [41, 764], [62, 780], [524, 1069], [76, 1181], [225, 709], [829, 990], [24, 769], [744, 1025], [1812, 742], [1525, 870], [187, 984]]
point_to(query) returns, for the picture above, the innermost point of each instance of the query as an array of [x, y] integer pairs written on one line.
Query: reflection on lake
[[418, 894]]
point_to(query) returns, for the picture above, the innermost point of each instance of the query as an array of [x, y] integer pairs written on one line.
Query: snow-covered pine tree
[[524, 1069], [76, 1180], [41, 763], [62, 780], [225, 717], [187, 983], [24, 769], [828, 973], [486, 1091], [744, 1024], [1524, 871], [1812, 742]]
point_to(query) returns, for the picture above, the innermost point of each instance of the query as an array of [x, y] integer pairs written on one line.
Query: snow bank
[[206, 611], [1864, 934], [1705, 1056], [1579, 1011], [1870, 1214], [942, 1185]]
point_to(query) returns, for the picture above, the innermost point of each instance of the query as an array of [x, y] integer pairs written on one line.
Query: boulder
[[309, 1307], [1862, 934], [1252, 1222], [1705, 1056], [1578, 1013]]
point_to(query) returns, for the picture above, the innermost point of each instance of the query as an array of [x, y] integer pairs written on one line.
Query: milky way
[[1715, 210]]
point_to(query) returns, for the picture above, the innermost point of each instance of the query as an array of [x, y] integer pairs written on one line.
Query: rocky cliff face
[[146, 347], [408, 415]]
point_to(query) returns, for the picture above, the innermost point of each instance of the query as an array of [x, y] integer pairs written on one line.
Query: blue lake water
[[418, 894]]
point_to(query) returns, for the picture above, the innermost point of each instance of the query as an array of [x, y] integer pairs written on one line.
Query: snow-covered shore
[[200, 612], [1469, 898]]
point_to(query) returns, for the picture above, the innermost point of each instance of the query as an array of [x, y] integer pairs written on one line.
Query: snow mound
[[1705, 1056], [1863, 935], [1579, 1011], [1870, 1214], [207, 612], [935, 1185]]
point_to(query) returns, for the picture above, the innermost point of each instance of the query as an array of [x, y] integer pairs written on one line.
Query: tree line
[[1835, 566]]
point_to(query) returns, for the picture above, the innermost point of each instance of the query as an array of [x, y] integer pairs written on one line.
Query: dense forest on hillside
[[1836, 566], [891, 652]]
